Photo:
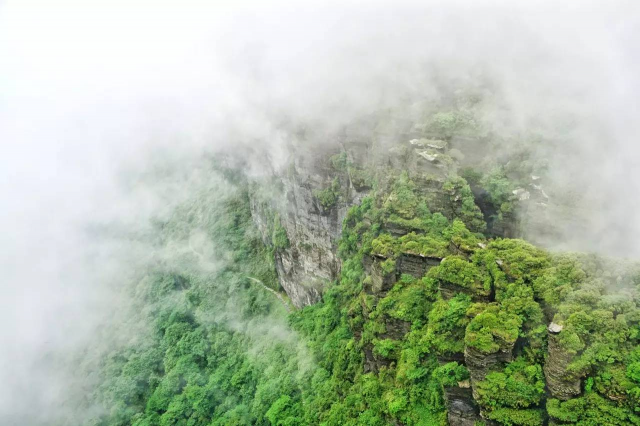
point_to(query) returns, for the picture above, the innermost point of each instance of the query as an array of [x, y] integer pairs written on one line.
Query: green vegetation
[[328, 197], [492, 329], [447, 322], [592, 409], [279, 237], [402, 200], [455, 122], [519, 385], [201, 362], [459, 271], [451, 374], [463, 205], [499, 188], [387, 246], [222, 351]]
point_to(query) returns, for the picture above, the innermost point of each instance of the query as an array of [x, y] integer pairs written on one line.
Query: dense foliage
[[222, 351], [219, 350]]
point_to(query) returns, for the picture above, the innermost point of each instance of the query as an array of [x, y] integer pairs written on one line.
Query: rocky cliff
[[320, 184], [435, 291], [313, 196]]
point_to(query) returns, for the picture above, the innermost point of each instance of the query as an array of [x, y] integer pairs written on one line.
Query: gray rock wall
[[310, 261]]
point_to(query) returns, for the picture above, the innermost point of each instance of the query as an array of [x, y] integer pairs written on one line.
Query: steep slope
[[493, 332], [409, 314], [430, 308]]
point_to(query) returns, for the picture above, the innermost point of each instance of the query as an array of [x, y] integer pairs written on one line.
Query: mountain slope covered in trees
[[428, 323]]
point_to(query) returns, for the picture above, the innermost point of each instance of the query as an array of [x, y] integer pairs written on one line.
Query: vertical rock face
[[319, 187], [381, 280], [416, 265], [480, 364], [449, 290], [462, 410], [407, 263], [309, 261], [394, 329], [561, 384]]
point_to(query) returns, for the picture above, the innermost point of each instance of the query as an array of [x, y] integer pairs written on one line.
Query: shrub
[[329, 196]]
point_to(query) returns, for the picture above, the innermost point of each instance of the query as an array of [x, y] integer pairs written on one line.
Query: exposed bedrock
[[480, 364], [309, 261], [461, 408], [561, 384], [416, 265], [382, 279]]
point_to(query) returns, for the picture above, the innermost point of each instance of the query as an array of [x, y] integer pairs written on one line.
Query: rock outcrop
[[314, 195], [322, 183], [449, 290], [382, 279], [394, 329], [480, 364], [416, 265], [313, 224], [561, 384], [461, 408]]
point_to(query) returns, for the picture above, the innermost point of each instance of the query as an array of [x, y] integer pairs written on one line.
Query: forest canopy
[[472, 328]]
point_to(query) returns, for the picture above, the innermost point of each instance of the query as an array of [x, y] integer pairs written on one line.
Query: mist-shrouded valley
[[336, 213]]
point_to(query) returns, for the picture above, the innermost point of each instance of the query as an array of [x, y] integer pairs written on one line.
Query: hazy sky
[[92, 89]]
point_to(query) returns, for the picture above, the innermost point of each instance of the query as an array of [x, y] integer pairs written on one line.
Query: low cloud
[[93, 94]]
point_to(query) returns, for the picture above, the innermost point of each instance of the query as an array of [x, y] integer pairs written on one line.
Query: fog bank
[[93, 93]]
